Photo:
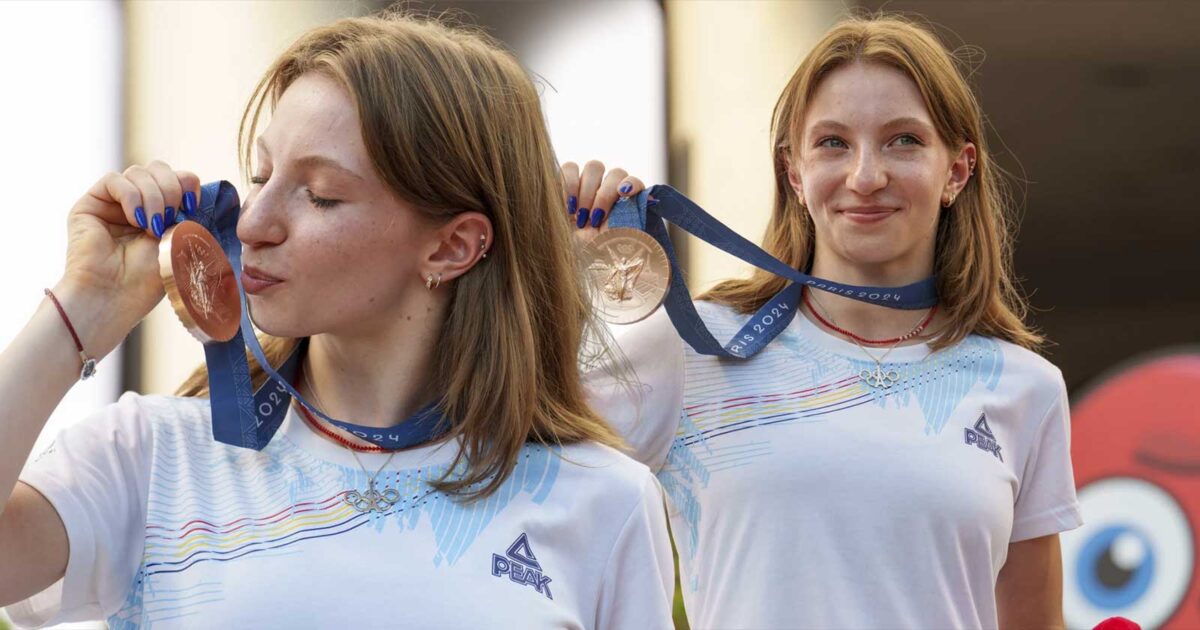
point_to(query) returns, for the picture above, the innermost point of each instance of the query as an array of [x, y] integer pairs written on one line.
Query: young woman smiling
[[871, 468]]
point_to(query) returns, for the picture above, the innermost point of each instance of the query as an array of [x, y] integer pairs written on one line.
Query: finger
[[115, 200], [606, 196], [172, 191], [589, 183], [570, 177], [151, 212], [190, 184], [630, 186]]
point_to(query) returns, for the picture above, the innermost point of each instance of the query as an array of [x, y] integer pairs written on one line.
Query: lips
[[255, 280], [867, 214]]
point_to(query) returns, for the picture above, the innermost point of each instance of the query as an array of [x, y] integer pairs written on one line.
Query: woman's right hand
[[113, 238]]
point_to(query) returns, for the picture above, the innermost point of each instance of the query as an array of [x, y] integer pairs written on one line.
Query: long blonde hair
[[452, 123], [973, 251]]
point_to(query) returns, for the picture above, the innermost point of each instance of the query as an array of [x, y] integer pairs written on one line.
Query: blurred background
[[1092, 106]]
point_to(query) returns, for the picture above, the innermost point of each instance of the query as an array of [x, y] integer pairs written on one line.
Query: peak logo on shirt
[[521, 566], [982, 437]]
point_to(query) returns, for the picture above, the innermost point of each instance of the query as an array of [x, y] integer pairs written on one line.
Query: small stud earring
[[483, 245], [429, 282]]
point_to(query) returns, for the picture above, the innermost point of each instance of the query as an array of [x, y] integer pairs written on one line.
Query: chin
[[275, 322]]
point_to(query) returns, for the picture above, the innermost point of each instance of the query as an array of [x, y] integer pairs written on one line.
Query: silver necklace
[[372, 500], [879, 378]]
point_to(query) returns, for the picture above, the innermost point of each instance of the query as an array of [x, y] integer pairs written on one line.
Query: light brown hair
[[973, 250], [452, 123]]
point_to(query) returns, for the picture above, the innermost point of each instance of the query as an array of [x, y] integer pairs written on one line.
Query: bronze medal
[[630, 274], [199, 282]]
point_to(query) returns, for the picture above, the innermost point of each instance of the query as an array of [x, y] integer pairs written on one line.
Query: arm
[[1029, 589], [110, 283], [36, 370], [639, 579]]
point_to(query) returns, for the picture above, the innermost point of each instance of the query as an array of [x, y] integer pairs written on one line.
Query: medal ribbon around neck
[[776, 313], [249, 419]]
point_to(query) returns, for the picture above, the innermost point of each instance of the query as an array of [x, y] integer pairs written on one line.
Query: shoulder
[[1030, 373], [138, 421], [604, 475]]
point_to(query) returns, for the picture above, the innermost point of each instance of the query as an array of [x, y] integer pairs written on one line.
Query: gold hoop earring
[[431, 282]]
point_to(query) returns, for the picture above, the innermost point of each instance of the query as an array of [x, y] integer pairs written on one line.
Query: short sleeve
[[638, 387], [639, 578], [96, 475], [1046, 502]]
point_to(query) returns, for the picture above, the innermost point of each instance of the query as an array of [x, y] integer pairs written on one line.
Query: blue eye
[[1132, 558], [915, 140], [825, 142]]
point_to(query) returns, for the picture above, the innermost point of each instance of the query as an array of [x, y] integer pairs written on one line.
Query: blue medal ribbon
[[249, 419], [776, 313]]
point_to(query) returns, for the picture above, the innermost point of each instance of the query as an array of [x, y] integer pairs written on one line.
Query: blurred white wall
[[60, 132], [728, 63]]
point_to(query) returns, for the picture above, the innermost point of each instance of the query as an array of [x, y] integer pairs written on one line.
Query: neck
[[376, 379], [864, 319]]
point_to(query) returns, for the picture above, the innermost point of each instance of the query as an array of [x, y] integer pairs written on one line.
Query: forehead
[[865, 94], [314, 111]]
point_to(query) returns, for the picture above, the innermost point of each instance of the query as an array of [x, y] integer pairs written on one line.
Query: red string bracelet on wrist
[[89, 364]]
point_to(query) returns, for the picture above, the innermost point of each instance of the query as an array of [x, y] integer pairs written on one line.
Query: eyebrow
[[895, 122], [312, 161]]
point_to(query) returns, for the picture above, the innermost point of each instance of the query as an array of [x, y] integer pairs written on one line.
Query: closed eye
[[320, 202]]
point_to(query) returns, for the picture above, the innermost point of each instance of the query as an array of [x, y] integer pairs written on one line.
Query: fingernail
[[157, 223], [582, 218], [140, 216], [169, 216], [572, 201], [189, 203], [597, 217], [651, 202], [625, 188]]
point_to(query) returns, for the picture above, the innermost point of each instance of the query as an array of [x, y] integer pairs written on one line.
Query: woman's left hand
[[591, 194]]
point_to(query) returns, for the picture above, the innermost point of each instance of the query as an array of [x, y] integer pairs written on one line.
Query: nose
[[867, 174], [260, 222]]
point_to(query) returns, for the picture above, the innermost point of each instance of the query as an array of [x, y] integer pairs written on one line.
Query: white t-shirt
[[169, 528], [800, 497]]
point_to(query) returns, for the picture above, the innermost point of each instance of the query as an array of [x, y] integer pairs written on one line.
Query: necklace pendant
[[880, 378], [372, 500]]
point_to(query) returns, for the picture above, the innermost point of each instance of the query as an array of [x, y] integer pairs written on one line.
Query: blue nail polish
[[582, 219], [139, 215], [169, 216], [157, 222], [625, 188], [572, 202], [597, 217], [650, 203], [189, 203]]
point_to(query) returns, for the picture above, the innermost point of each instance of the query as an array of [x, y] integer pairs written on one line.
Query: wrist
[[93, 315]]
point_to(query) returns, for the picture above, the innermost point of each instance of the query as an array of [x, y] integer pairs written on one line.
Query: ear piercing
[[432, 283], [483, 245]]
